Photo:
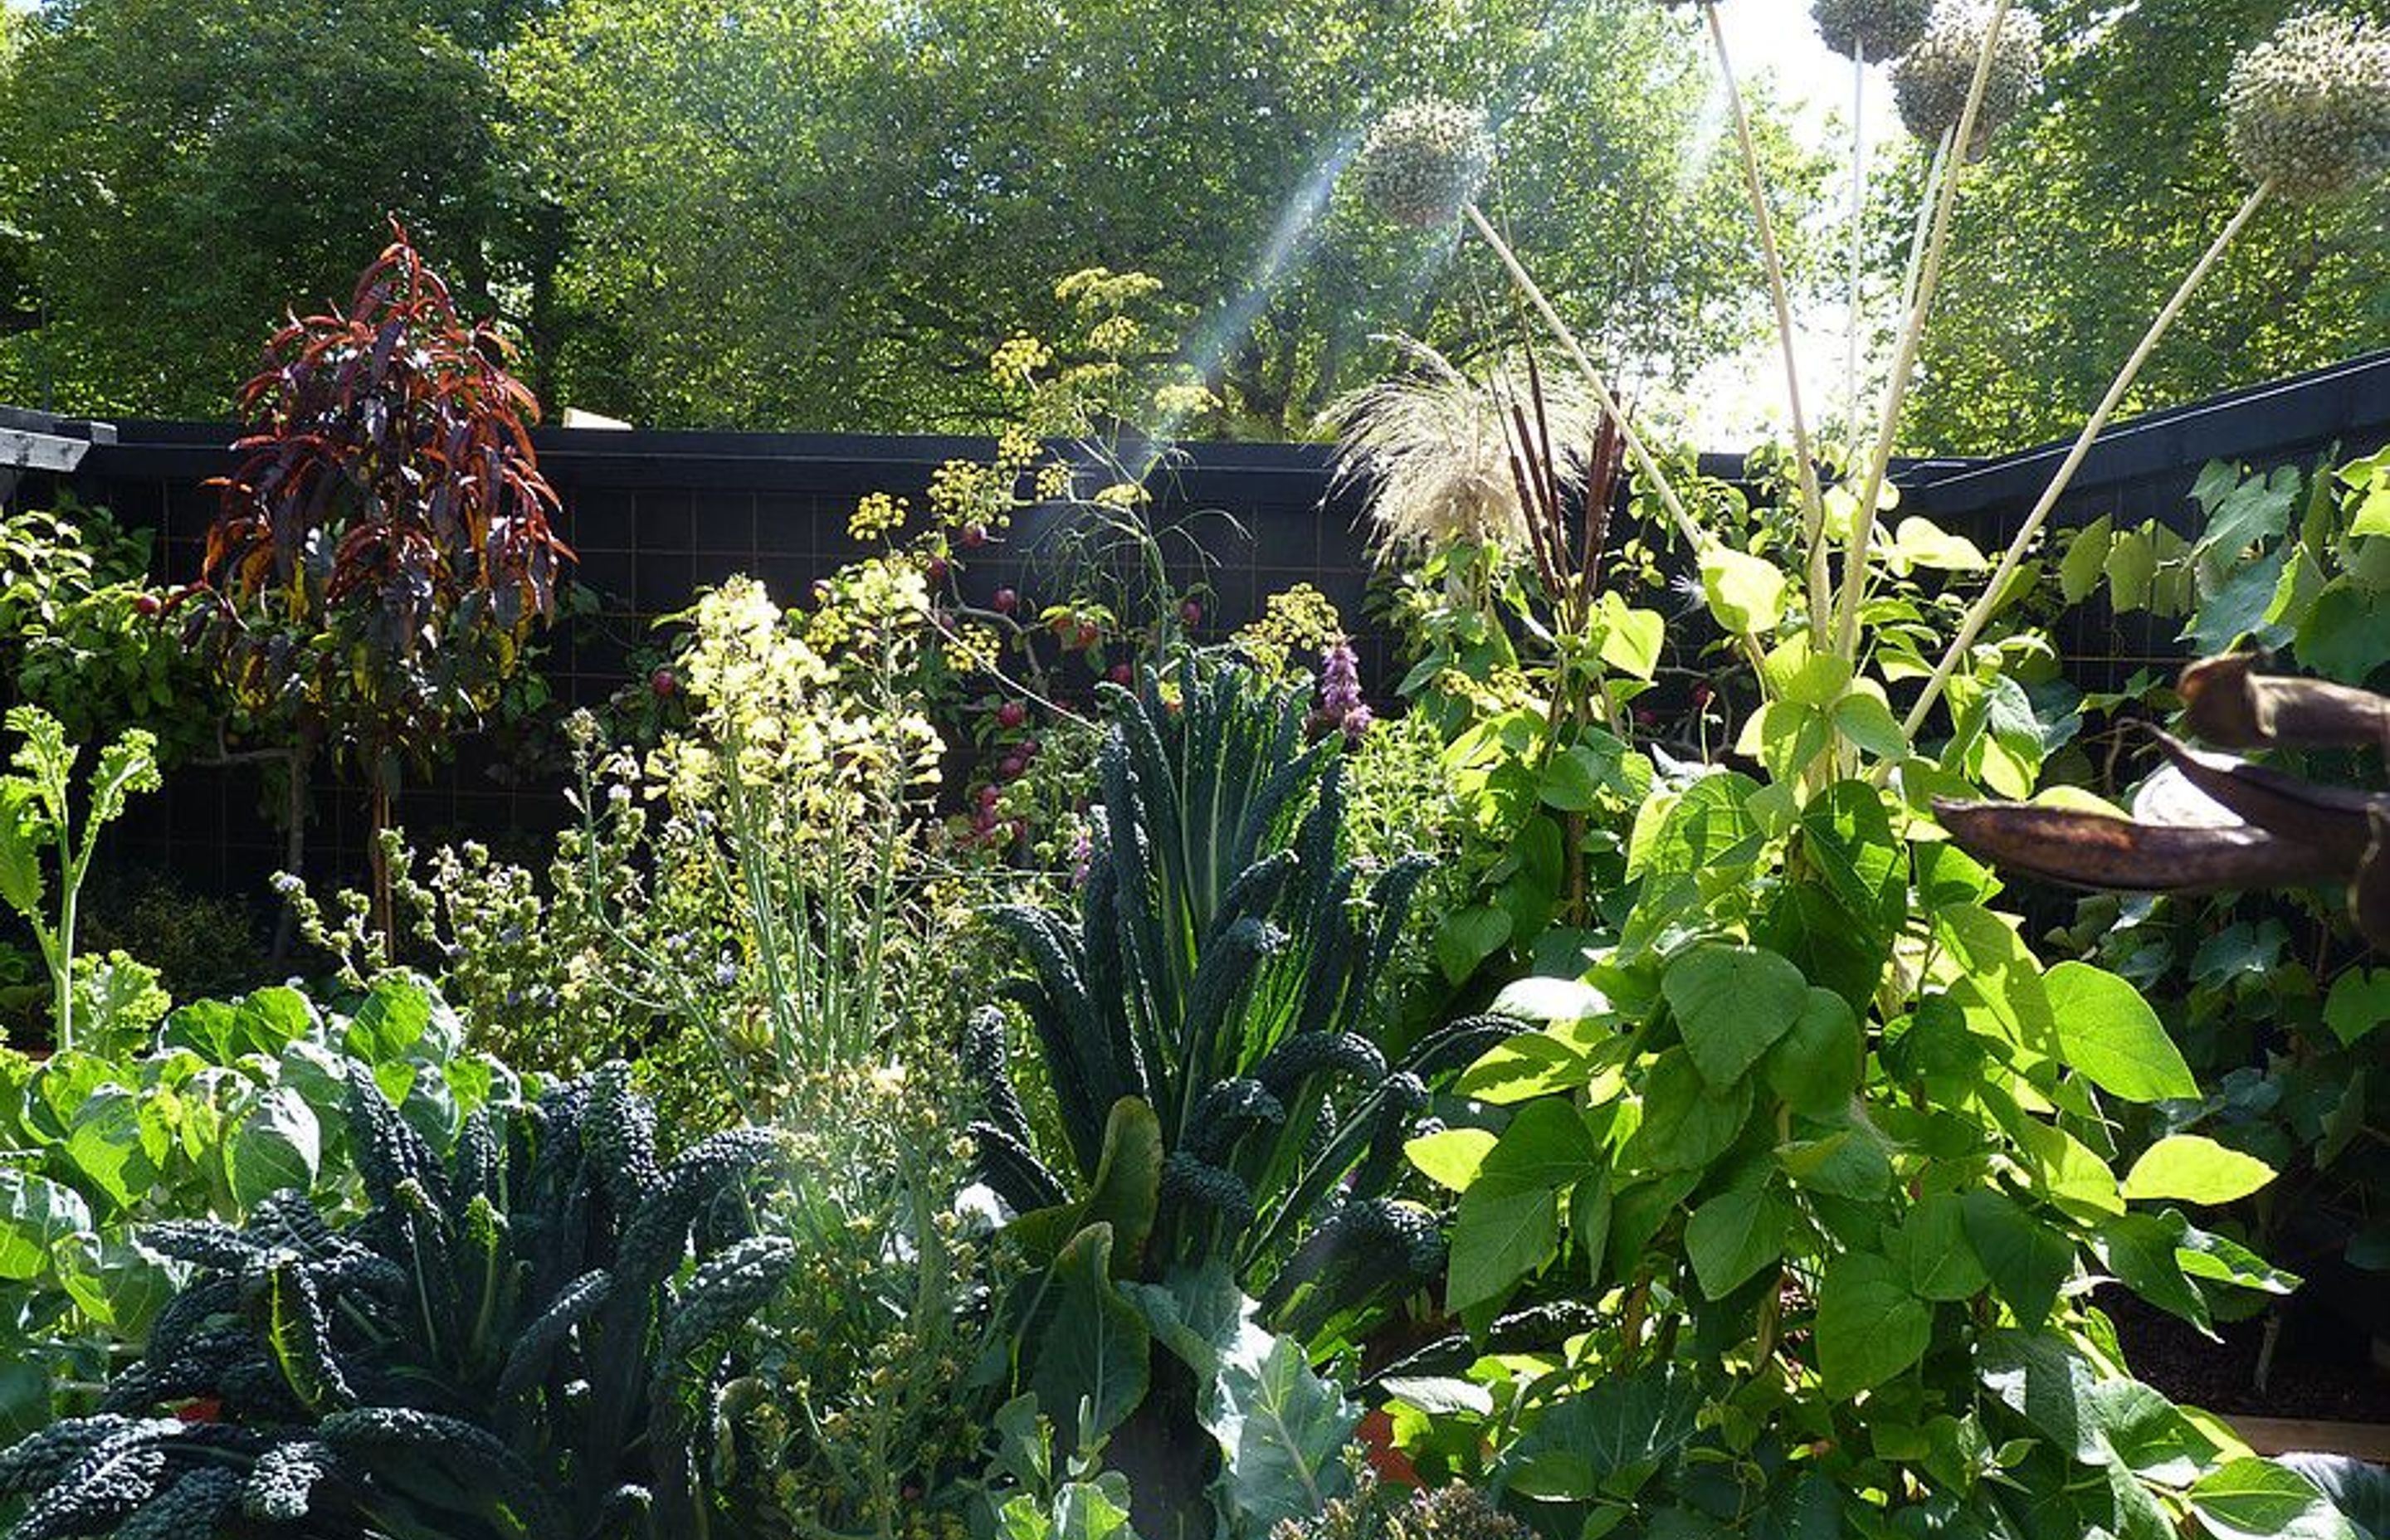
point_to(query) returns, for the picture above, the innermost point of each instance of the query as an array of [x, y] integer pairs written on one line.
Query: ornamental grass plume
[[1874, 29], [1424, 160], [1434, 447], [1930, 80], [2308, 110]]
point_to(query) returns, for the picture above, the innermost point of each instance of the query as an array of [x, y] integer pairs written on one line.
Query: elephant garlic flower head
[[2308, 109], [1930, 80], [1424, 160], [1878, 30]]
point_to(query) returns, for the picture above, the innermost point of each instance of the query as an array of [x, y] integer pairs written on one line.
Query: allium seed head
[[1424, 160], [1877, 29], [2308, 109], [1931, 80]]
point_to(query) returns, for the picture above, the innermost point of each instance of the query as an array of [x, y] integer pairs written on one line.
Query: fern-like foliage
[[1224, 970], [512, 1344]]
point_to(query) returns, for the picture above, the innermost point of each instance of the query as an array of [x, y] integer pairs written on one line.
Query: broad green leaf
[[1468, 937], [2256, 1499], [1632, 638], [1499, 1238], [1849, 1162], [2040, 1377], [1281, 1430], [277, 1145], [1530, 1065], [1934, 1245], [1126, 1191], [1745, 594], [2358, 1003], [1734, 1234], [1864, 718], [1847, 837], [1091, 1510], [1084, 1345], [1707, 830], [2344, 633], [2110, 1034], [1451, 1157], [2149, 1433], [1439, 1395], [2195, 1169], [1545, 1145], [2066, 1171], [1615, 1432], [2086, 554], [1731, 1003], [1686, 1123], [1919, 542], [21, 860], [2132, 562], [36, 1215], [1546, 1001], [1815, 1067], [2027, 1260], [1870, 1326], [2141, 1252]]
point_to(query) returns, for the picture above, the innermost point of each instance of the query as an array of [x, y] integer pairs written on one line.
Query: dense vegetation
[[1052, 1068]]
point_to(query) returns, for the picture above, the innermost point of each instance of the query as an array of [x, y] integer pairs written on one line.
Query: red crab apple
[[1013, 767], [147, 605], [1086, 636], [664, 682], [1012, 714], [974, 536], [1123, 675], [1192, 612], [937, 568], [1007, 600]]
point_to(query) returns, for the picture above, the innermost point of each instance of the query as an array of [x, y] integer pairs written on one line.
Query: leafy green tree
[[2090, 209], [819, 215], [183, 170]]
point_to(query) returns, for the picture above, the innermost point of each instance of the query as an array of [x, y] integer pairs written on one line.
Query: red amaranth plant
[[383, 549]]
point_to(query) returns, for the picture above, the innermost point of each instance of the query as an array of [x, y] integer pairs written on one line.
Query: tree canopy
[[822, 213], [2089, 209]]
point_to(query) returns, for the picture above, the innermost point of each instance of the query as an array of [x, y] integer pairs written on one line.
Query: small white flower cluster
[[1932, 79], [2308, 109], [1874, 29], [1424, 160]]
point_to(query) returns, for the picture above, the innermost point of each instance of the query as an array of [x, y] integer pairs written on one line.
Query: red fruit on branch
[[664, 682], [1086, 636], [1191, 613], [937, 568], [147, 606], [1013, 767], [1007, 600], [974, 536], [1123, 675], [1012, 714]]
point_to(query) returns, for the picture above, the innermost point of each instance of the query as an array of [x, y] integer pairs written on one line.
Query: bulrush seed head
[[1880, 28], [1424, 160], [2308, 109], [1931, 80]]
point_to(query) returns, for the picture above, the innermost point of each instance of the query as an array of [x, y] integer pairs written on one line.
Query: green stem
[[1945, 198], [1981, 610], [1813, 507]]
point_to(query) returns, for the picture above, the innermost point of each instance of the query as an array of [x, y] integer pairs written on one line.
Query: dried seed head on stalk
[[1930, 80], [1424, 160], [1433, 450], [1877, 29], [2308, 109]]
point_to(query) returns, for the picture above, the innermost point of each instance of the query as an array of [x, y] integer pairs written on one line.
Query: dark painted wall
[[654, 516]]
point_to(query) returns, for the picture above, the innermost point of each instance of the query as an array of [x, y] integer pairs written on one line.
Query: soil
[[2322, 1367]]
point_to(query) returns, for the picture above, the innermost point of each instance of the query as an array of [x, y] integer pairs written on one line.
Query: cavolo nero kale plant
[[525, 1341], [1223, 978]]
